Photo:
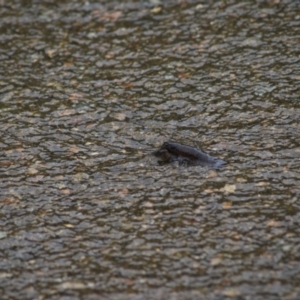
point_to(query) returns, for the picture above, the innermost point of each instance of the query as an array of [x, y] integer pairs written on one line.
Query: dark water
[[88, 89]]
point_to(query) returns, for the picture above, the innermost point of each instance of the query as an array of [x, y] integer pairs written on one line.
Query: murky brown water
[[88, 89]]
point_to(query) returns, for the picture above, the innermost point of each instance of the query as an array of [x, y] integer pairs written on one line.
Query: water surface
[[89, 89]]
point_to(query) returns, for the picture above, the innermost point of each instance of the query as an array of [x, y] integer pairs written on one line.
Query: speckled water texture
[[89, 89]]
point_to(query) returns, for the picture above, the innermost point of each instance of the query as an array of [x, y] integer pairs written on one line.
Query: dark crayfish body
[[171, 151]]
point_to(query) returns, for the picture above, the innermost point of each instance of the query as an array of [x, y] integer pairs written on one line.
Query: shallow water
[[88, 90]]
